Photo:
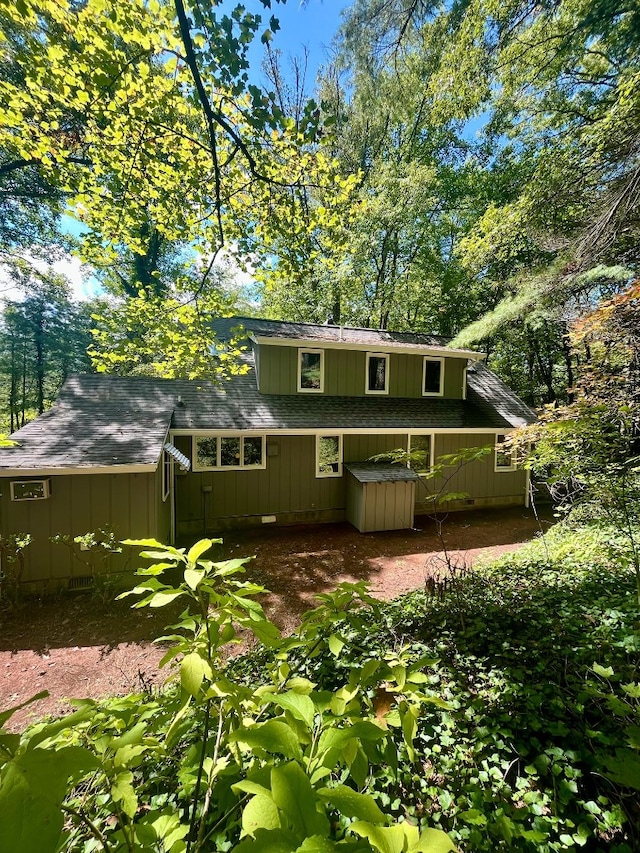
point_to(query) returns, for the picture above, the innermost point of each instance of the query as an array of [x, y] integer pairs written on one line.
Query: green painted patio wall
[[344, 373]]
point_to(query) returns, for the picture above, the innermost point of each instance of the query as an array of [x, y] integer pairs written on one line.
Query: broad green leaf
[[260, 813], [336, 645], [352, 804], [318, 844], [192, 673], [160, 599], [273, 736], [603, 671], [134, 735], [193, 577], [387, 839], [31, 793], [300, 705], [433, 841], [122, 791], [269, 841], [198, 550], [294, 796]]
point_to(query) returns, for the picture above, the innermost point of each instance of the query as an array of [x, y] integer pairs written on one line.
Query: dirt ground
[[86, 645]]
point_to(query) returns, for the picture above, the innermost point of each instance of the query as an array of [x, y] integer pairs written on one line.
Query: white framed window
[[377, 375], [311, 371], [30, 490], [504, 460], [432, 376], [422, 445], [329, 455], [220, 452]]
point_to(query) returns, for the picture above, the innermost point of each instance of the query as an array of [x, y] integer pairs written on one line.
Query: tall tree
[[44, 338]]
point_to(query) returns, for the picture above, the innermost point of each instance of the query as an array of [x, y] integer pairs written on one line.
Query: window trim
[[440, 391], [432, 444], [320, 352], [167, 468], [387, 361], [196, 466], [502, 469], [326, 474]]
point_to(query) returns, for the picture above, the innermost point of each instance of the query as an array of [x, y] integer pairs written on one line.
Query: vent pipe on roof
[[180, 402], [341, 337]]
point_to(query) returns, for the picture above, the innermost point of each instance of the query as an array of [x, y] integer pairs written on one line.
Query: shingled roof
[[381, 339], [106, 422]]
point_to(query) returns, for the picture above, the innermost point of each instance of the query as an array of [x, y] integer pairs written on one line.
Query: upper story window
[[220, 452], [377, 381], [433, 376], [504, 460], [311, 370]]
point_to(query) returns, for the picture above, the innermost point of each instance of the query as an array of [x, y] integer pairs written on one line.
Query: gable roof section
[[97, 423], [119, 423], [299, 334]]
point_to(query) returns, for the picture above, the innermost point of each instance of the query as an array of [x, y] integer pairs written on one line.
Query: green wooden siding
[[81, 503], [478, 479], [345, 373]]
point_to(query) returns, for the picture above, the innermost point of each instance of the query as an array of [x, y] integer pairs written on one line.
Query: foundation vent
[[80, 582]]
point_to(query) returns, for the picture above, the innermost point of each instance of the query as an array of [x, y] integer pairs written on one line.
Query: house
[[290, 440]]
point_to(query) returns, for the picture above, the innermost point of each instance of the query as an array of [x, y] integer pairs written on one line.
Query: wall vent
[[80, 582]]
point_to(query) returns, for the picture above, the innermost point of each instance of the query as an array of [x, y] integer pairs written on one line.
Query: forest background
[[469, 169]]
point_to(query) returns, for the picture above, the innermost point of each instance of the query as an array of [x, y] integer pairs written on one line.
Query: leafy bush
[[214, 764]]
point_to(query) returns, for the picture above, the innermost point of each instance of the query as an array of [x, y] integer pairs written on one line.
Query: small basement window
[[504, 458], [421, 449], [328, 456], [226, 452], [311, 370], [30, 490], [432, 377], [377, 373]]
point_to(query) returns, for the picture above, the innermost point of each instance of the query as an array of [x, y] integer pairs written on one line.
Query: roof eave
[[374, 346]]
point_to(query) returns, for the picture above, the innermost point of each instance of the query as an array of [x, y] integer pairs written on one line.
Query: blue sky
[[311, 25]]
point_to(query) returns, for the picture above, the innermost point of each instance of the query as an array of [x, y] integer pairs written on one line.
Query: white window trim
[[501, 469], [324, 474], [166, 474], [464, 383], [46, 489], [440, 392], [386, 358], [432, 448], [319, 352], [195, 466]]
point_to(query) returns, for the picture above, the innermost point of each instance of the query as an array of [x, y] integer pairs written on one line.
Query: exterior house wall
[[128, 504], [345, 372], [483, 485], [288, 488]]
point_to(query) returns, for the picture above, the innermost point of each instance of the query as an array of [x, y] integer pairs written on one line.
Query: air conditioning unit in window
[[30, 490]]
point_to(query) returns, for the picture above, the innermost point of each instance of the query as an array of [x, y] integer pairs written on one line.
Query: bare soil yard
[[79, 645]]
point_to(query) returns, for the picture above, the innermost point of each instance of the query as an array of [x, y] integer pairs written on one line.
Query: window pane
[[503, 457], [310, 370], [432, 374], [420, 453], [329, 454], [207, 452], [229, 451], [252, 451], [377, 373]]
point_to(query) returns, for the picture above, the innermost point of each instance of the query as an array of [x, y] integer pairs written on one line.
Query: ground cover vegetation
[[497, 710]]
